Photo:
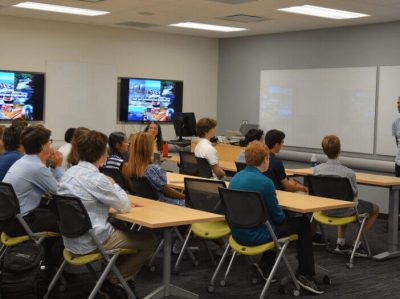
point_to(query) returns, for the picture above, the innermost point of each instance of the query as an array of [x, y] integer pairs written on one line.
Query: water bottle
[[313, 160]]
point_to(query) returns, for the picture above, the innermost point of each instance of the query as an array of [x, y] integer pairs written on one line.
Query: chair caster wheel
[[222, 283], [296, 293], [327, 280], [210, 289], [349, 266], [254, 280]]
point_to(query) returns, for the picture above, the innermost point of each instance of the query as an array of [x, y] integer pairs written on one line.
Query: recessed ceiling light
[[61, 9], [323, 12], [200, 26]]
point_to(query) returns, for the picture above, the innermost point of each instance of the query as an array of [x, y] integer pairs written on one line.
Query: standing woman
[[140, 165], [154, 129]]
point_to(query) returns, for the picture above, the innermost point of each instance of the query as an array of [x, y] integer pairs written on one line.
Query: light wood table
[[226, 152], [155, 214], [295, 202], [225, 165], [393, 184]]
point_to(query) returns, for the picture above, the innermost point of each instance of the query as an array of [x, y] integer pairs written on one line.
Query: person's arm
[[158, 179], [219, 172], [58, 170], [170, 192], [293, 185]]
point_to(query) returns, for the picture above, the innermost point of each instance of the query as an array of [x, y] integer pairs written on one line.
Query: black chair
[[246, 210], [10, 210], [338, 188], [143, 188], [116, 175], [204, 168], [240, 166], [75, 222], [188, 163], [203, 195]]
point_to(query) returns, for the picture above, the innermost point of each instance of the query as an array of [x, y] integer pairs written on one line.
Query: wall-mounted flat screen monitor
[[143, 100], [21, 95]]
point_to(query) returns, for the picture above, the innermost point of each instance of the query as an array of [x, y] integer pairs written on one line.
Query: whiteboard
[[308, 104], [80, 94], [389, 92]]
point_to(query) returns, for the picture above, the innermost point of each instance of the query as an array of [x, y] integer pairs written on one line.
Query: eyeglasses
[[50, 141]]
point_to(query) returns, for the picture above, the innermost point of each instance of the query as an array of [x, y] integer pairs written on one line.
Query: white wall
[[29, 44]]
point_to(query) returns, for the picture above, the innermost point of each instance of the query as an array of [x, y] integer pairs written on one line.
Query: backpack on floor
[[23, 272]]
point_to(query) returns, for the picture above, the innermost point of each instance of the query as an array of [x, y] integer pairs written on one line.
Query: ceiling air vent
[[137, 24], [243, 18]]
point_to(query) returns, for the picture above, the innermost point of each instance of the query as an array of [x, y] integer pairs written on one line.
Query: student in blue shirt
[[253, 179], [13, 147]]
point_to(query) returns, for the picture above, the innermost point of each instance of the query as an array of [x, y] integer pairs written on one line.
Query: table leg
[[393, 226], [167, 289]]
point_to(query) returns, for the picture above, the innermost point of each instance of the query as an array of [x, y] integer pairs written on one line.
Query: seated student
[[65, 149], [253, 179], [98, 193], [154, 129], [251, 135], [206, 128], [31, 179], [331, 147], [73, 157], [14, 149], [118, 146], [274, 140], [140, 165]]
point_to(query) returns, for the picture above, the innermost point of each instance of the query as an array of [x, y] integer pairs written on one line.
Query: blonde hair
[[255, 153], [140, 154]]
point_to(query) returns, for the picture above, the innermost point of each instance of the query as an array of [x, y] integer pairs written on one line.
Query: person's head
[[118, 143], [36, 141], [274, 140], [68, 135], [252, 135], [12, 138], [206, 127], [141, 153], [92, 147], [331, 146], [257, 154], [398, 104], [73, 157], [154, 129], [19, 122]]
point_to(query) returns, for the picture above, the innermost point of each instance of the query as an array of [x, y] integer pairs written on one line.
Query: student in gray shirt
[[333, 167]]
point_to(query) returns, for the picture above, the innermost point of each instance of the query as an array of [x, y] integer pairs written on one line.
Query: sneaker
[[309, 285], [342, 249], [318, 240], [361, 252], [263, 272]]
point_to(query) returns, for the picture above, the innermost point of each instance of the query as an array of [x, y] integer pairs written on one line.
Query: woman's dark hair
[[159, 137], [114, 139], [33, 138], [251, 135], [12, 138], [91, 145], [68, 135]]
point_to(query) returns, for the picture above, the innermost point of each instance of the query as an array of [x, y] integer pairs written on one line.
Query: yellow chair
[[338, 188], [75, 222], [246, 210]]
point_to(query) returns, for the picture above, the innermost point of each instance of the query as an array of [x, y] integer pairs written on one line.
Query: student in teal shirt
[[252, 179]]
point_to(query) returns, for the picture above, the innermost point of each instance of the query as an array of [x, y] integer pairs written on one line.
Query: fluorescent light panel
[[200, 26], [323, 12], [61, 9]]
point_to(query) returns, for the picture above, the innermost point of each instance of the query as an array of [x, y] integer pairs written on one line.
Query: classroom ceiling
[[156, 15]]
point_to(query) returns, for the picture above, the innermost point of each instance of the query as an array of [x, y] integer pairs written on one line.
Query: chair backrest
[[243, 209], [203, 194], [188, 163], [330, 186], [204, 168], [143, 188], [116, 175], [9, 204], [240, 166], [73, 217]]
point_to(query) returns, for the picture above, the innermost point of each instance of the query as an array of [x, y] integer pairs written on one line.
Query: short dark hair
[[68, 135], [204, 125], [114, 139], [274, 137], [91, 146], [251, 135], [331, 146], [33, 138], [12, 138], [19, 122]]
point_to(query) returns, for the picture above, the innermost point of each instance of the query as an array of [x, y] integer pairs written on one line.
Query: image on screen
[[145, 100], [21, 96]]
